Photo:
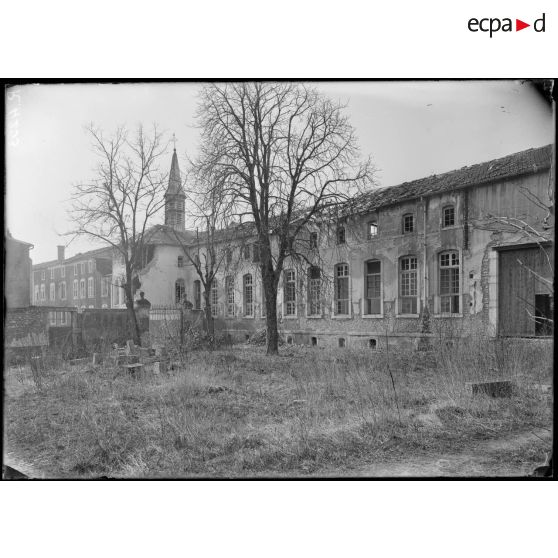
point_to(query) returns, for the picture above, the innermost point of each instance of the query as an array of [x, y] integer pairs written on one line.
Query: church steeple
[[175, 197]]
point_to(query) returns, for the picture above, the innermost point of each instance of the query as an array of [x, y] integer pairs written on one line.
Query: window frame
[[369, 234], [413, 274], [180, 290], [336, 286], [248, 305], [404, 218], [340, 235], [454, 214], [180, 261], [75, 289], [289, 293], [90, 287], [63, 271], [311, 288], [229, 296], [454, 271], [214, 298], [62, 290], [365, 313], [52, 291]]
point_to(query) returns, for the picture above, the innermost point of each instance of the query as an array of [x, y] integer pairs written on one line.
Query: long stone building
[[467, 250]]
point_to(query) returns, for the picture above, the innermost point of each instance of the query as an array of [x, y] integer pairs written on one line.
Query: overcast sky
[[411, 130]]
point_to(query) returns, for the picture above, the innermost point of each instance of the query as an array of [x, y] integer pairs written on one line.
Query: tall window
[[179, 291], [314, 291], [52, 291], [448, 216], [62, 288], [372, 229], [90, 287], [197, 294], [62, 271], [43, 292], [43, 275], [229, 290], [342, 289], [75, 291], [290, 292], [63, 318], [246, 252], [91, 267], [373, 286], [180, 261], [52, 272], [104, 286], [340, 234], [449, 282], [313, 240], [214, 298], [36, 293], [408, 223], [75, 269], [83, 268], [408, 289], [52, 316], [248, 295]]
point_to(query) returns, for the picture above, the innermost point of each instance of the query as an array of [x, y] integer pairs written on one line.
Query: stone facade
[[430, 243]]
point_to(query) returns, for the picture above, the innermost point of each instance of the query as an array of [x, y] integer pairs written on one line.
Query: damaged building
[[466, 250]]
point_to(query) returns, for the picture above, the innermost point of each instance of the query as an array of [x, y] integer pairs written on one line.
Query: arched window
[[408, 285], [341, 289], [340, 234], [314, 291], [373, 287], [197, 295], [179, 291], [449, 282], [448, 216], [289, 294], [248, 295]]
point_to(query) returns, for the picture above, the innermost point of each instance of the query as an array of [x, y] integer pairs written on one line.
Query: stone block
[[494, 388]]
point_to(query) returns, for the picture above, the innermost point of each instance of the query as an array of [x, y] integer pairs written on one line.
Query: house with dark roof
[[81, 281], [468, 252]]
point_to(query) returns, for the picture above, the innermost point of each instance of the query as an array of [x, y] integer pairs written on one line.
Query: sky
[[410, 129]]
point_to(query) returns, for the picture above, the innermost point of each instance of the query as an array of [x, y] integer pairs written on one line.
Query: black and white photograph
[[279, 279]]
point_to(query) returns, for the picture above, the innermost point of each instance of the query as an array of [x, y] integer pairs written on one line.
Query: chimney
[[60, 253]]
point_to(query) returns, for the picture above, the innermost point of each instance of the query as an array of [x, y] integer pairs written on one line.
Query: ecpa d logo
[[492, 25]]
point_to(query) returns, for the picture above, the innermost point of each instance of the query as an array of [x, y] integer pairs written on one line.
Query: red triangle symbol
[[519, 25]]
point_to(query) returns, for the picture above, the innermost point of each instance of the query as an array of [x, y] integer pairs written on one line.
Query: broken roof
[[516, 164]]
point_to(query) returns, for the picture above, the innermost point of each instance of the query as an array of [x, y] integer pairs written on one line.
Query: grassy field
[[306, 412]]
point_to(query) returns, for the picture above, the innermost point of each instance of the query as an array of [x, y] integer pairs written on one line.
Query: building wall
[[67, 272], [17, 291], [471, 238]]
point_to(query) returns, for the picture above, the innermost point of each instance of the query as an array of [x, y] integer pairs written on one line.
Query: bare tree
[[281, 154], [118, 204]]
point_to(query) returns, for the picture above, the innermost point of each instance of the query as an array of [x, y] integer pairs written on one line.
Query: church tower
[[175, 198]]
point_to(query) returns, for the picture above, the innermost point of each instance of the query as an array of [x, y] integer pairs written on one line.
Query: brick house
[[82, 281]]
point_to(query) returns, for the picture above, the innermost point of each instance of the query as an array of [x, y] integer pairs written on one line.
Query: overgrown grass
[[241, 413]]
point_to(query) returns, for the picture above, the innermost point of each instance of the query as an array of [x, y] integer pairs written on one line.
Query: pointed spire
[[175, 183]]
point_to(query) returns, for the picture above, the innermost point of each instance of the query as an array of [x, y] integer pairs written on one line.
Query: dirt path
[[481, 459]]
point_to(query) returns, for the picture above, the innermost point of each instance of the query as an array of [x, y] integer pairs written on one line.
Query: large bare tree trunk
[[132, 318], [271, 318], [209, 322]]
